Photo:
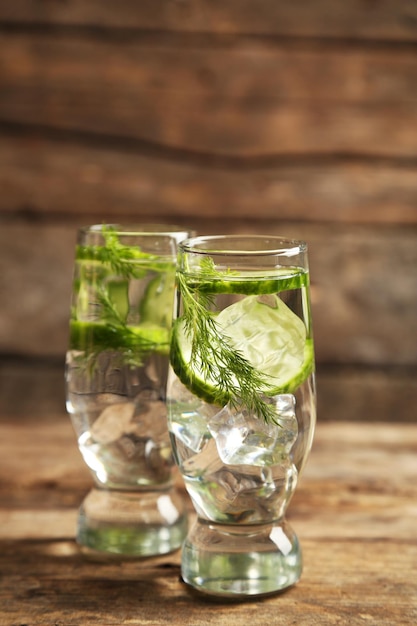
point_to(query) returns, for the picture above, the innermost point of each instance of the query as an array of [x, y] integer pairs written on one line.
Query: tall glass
[[241, 407], [116, 371]]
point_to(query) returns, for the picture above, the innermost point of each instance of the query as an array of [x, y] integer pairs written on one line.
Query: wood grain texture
[[359, 19], [361, 280], [60, 177], [343, 582], [296, 119], [354, 513], [344, 393], [351, 393], [251, 99]]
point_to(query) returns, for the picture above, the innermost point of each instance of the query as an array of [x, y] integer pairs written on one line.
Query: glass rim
[[133, 229], [277, 245]]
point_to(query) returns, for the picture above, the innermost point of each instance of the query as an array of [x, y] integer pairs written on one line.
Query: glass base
[[241, 561], [132, 524]]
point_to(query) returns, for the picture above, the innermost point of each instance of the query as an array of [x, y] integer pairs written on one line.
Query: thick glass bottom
[[239, 561], [132, 524]]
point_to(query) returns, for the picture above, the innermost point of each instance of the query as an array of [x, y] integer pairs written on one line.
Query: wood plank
[[247, 99], [61, 177], [358, 499], [23, 467], [40, 454], [43, 383], [356, 524], [363, 287], [357, 393], [342, 581], [358, 19], [344, 393]]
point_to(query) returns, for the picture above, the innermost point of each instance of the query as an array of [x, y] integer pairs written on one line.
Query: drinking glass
[[116, 371], [241, 407]]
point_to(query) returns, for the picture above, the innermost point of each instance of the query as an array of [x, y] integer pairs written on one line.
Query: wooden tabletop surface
[[355, 513]]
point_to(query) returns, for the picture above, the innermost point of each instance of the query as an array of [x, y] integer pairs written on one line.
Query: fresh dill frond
[[213, 355], [123, 260], [102, 268]]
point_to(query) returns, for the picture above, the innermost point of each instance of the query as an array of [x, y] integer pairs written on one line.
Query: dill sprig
[[125, 261], [213, 355], [134, 345], [111, 334]]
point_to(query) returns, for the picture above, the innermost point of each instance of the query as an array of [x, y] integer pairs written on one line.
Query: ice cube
[[244, 439], [188, 417], [113, 422], [150, 419], [287, 420], [206, 462], [191, 431]]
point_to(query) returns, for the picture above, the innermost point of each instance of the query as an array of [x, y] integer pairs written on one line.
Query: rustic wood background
[[297, 118]]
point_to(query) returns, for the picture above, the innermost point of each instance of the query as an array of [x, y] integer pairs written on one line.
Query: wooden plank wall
[[261, 116]]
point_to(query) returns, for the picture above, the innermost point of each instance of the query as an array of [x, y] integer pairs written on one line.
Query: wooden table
[[355, 513]]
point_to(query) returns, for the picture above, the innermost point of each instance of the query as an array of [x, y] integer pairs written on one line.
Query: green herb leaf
[[213, 354], [125, 261], [102, 295]]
